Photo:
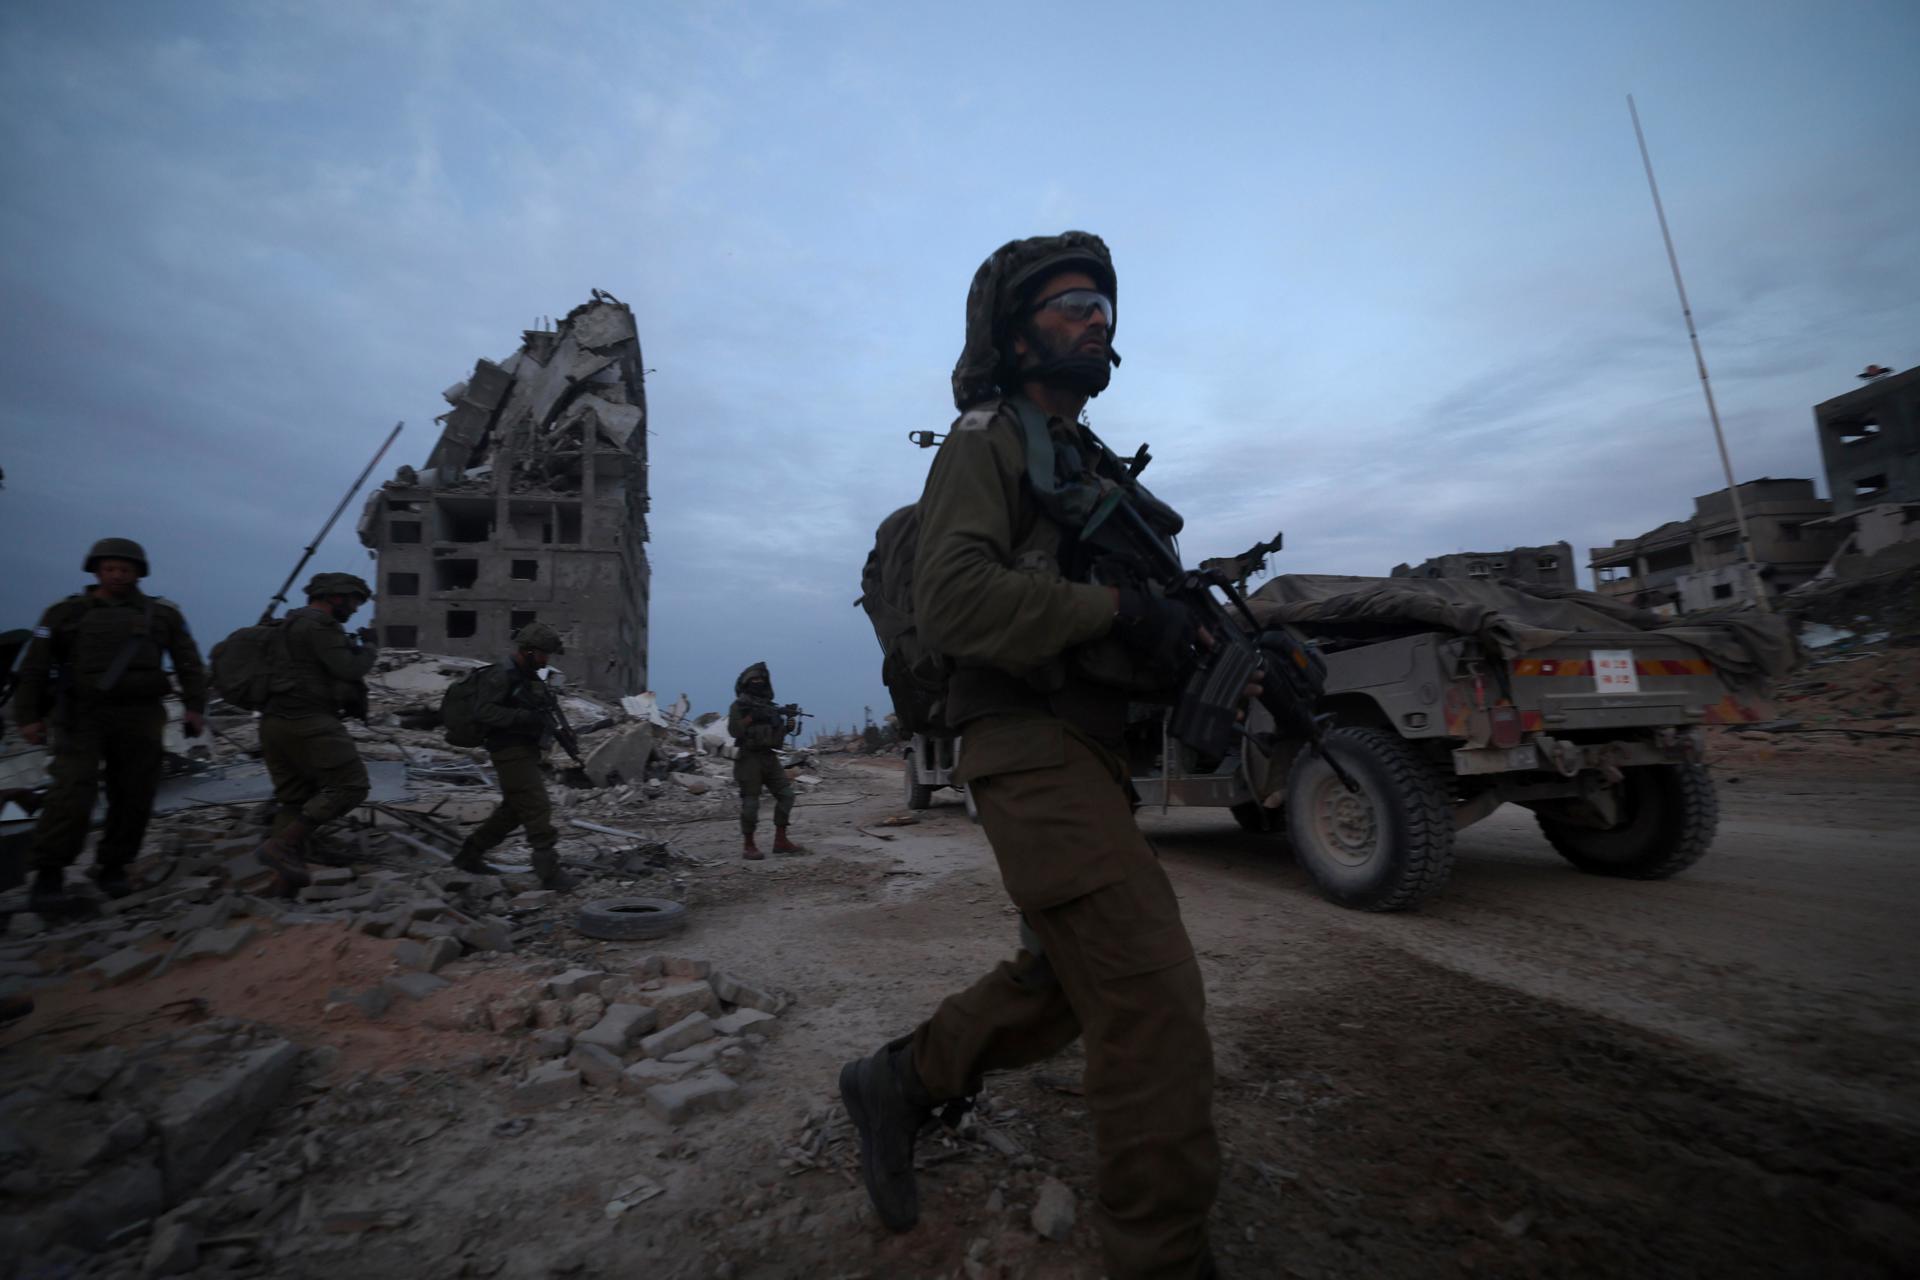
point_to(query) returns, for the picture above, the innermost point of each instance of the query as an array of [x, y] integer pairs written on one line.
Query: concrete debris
[[708, 1091], [546, 1084], [597, 1066], [691, 1029], [620, 1026], [1053, 1211]]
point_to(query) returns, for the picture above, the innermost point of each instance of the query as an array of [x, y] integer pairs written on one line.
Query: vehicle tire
[[629, 919], [1388, 847], [1256, 817], [1668, 815], [918, 796], [973, 810]]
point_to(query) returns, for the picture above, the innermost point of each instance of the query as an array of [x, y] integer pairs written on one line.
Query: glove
[[1155, 629]]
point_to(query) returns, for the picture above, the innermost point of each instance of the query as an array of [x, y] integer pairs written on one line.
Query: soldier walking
[[319, 681], [511, 704], [1050, 636], [91, 685], [758, 727]]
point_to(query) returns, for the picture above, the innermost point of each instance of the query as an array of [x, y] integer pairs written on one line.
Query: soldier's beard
[[1079, 372]]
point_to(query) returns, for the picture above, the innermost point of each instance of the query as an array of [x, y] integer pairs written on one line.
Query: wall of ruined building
[[1519, 564]]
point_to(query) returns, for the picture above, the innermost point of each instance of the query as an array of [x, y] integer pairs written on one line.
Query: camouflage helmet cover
[[1002, 286], [117, 549], [338, 584], [758, 671], [538, 635]]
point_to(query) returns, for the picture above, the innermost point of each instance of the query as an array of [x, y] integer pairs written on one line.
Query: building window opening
[[1723, 591], [1547, 562], [403, 584], [1722, 544], [399, 504], [465, 526], [525, 571], [403, 530], [1869, 486], [1857, 432], [462, 624], [455, 575], [403, 637], [521, 618], [569, 524], [1477, 569]]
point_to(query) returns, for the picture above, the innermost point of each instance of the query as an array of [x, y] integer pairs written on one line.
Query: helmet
[[1004, 284], [758, 671], [117, 549], [338, 584], [538, 635]]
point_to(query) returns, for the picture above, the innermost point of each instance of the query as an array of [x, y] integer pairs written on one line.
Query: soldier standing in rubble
[[758, 727], [319, 681], [511, 705], [1050, 637], [91, 684]]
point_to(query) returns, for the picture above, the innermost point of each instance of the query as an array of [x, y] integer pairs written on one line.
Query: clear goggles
[[1079, 305]]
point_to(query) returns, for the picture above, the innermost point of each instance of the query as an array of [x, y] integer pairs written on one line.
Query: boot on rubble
[[749, 850], [284, 854], [783, 845], [49, 897], [888, 1104], [112, 881], [472, 859], [546, 865]]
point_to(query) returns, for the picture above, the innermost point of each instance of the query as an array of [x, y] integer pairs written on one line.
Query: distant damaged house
[[533, 505], [1550, 565]]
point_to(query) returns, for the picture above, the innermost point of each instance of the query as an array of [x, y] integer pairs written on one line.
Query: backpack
[[457, 706], [915, 676], [241, 667]]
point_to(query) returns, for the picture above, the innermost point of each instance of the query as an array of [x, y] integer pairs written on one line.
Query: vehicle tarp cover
[[1514, 618]]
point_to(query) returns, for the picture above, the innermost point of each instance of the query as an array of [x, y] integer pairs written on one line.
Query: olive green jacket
[[82, 637], [321, 670], [510, 706]]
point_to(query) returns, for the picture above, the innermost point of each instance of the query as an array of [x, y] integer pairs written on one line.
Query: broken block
[[597, 1066], [546, 1084], [575, 982], [707, 1091], [619, 1027], [217, 942], [122, 966], [678, 999], [690, 1030], [743, 1020], [489, 933], [646, 1073]]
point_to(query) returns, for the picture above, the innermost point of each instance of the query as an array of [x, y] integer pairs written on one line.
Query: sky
[[1389, 275]]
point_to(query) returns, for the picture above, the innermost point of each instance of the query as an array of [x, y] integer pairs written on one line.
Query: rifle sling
[[124, 658]]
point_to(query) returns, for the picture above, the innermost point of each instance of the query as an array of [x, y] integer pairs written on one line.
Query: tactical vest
[[113, 650]]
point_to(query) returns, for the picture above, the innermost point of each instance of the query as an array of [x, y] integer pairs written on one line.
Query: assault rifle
[[557, 721], [794, 715], [1291, 675]]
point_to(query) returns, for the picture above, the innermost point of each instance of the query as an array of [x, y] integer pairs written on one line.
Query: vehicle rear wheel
[[1668, 816], [918, 796], [1387, 847], [1256, 817]]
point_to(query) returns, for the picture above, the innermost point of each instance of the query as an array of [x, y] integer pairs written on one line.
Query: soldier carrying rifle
[[759, 726], [515, 709]]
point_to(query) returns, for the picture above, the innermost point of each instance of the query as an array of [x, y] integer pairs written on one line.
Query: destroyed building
[[1550, 565], [1870, 446], [532, 506]]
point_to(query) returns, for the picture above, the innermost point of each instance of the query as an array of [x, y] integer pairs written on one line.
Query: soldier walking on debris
[[92, 680], [1049, 637], [318, 682], [759, 727], [511, 704]]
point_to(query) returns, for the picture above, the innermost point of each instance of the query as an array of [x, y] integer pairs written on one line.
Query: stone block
[[676, 1000], [621, 755], [390, 923], [546, 1084], [750, 997], [122, 966], [245, 869], [210, 1117], [1053, 1211], [679, 1101], [325, 877], [743, 1020], [551, 1043], [683, 967], [646, 1073], [219, 943], [690, 1030], [575, 982], [620, 1026], [210, 916], [488, 933], [532, 899], [414, 986], [428, 930], [597, 1066], [702, 1053]]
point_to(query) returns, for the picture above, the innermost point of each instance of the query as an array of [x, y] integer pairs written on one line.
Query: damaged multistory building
[[533, 505], [1550, 565]]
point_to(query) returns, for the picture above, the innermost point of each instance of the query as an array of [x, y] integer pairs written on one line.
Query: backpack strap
[[143, 634]]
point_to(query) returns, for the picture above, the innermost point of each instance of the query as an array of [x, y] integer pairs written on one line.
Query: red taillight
[[1505, 723]]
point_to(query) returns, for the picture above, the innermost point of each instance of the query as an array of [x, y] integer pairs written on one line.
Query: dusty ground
[[1541, 1073]]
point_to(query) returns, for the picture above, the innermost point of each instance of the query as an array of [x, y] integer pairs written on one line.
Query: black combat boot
[[546, 865], [49, 897], [284, 854], [113, 881], [888, 1104], [473, 860]]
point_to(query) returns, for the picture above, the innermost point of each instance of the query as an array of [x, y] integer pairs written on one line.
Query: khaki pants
[[316, 770], [523, 803], [120, 745], [753, 770], [1117, 969]]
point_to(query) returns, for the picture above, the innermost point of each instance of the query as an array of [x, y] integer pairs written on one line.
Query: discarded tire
[[629, 919]]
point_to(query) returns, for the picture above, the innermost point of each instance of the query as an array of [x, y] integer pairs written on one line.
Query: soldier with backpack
[[758, 727], [91, 685], [316, 681], [507, 706], [1044, 628]]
